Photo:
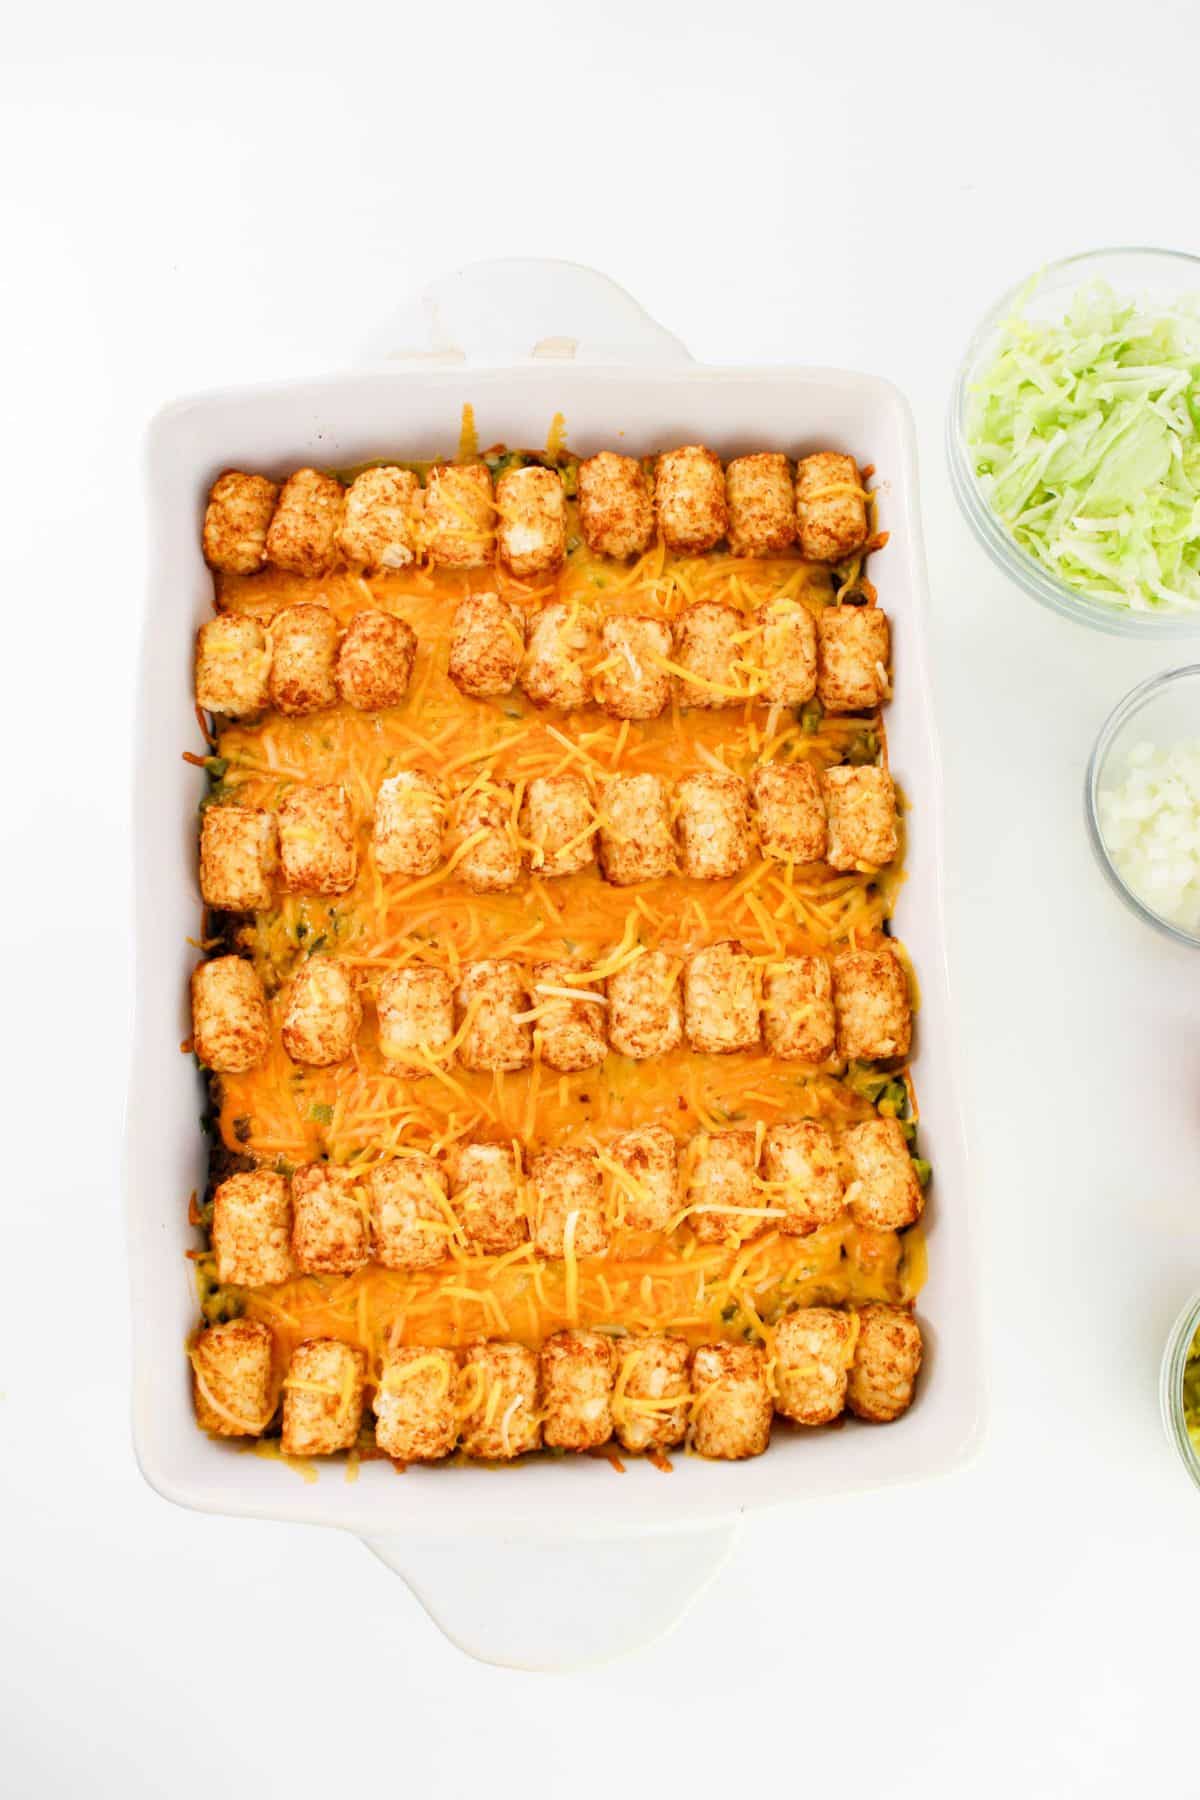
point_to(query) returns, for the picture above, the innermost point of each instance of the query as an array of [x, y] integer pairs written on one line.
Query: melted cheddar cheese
[[282, 1114]]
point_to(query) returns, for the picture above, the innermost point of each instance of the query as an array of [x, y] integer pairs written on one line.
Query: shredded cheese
[[367, 1110]]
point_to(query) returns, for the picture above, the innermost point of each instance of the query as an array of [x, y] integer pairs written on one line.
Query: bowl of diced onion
[[1142, 795], [1074, 439]]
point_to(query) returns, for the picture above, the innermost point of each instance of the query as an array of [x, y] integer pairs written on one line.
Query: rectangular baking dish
[[654, 397]]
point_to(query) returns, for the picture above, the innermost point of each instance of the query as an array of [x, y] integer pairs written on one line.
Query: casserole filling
[[557, 1046]]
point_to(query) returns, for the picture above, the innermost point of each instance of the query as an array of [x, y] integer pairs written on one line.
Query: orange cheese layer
[[281, 1113], [644, 1284]]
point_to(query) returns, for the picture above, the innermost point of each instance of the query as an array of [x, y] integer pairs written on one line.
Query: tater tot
[[645, 1015], [303, 650], [709, 648], [568, 1197], [415, 1405], [813, 1348], [689, 498], [874, 1012], [830, 506], [410, 821], [787, 652], [487, 643], [652, 1398], [493, 862], [831, 510], [381, 522], [236, 521], [630, 681], [762, 504], [853, 650], [712, 818], [789, 812], [231, 1027], [531, 530], [645, 1177], [797, 1014], [233, 1383], [558, 824], [498, 1401], [410, 1228], [458, 517], [322, 1013], [233, 666], [570, 1026], [317, 849], [732, 1411], [303, 534], [803, 1174], [331, 1222], [238, 856], [486, 1192], [252, 1229], [887, 1360], [861, 807], [883, 1192], [375, 661], [415, 1006], [720, 1002], [562, 644], [636, 841], [578, 1369], [488, 1002], [719, 1186], [616, 512], [323, 1397]]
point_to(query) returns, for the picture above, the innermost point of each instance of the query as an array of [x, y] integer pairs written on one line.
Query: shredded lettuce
[[1085, 439]]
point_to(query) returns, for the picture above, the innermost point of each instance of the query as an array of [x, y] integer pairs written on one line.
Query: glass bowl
[[1170, 1386], [1142, 274], [1163, 710]]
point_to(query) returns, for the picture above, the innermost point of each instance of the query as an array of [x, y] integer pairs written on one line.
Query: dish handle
[[518, 1603], [553, 1606], [518, 310]]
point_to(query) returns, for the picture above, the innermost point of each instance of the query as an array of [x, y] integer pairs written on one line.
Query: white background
[[228, 193]]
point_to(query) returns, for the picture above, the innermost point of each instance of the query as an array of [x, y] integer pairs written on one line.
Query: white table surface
[[205, 196]]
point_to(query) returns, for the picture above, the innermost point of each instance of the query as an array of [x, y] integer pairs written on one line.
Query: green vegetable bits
[[1084, 436], [1191, 1392]]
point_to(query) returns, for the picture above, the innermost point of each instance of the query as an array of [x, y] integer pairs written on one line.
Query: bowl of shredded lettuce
[[1074, 439]]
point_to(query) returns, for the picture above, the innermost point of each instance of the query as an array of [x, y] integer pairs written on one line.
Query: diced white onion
[[1150, 822]]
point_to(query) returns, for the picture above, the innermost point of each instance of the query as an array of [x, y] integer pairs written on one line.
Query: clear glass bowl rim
[[1127, 708], [1170, 1385], [1003, 549]]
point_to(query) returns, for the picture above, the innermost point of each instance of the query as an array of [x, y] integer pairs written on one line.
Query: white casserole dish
[[620, 381]]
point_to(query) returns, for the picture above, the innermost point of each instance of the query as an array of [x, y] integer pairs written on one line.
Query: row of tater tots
[[405, 1213], [639, 827], [300, 662], [386, 519], [497, 1401], [564, 657], [499, 1016]]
